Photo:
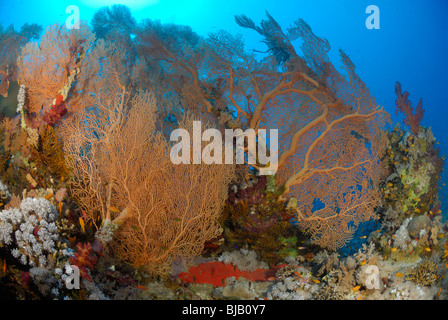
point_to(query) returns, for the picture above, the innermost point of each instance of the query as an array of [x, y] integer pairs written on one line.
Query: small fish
[[49, 196], [412, 145], [393, 249], [428, 249], [271, 279], [417, 210], [113, 209], [390, 184], [356, 288], [437, 142], [81, 223], [60, 207], [142, 287], [398, 274], [316, 281], [363, 237], [405, 186], [4, 266], [405, 159], [301, 248], [439, 211], [297, 274], [359, 298], [364, 262]]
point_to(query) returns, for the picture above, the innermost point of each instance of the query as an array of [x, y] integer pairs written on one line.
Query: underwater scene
[[236, 150]]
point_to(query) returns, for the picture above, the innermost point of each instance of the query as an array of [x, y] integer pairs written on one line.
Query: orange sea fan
[[44, 68]]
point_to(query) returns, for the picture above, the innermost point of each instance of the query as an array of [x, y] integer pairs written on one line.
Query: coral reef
[[92, 206], [255, 219], [245, 260], [319, 113]]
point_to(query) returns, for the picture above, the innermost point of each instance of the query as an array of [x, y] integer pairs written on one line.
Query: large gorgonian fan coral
[[48, 69], [331, 132], [11, 42], [123, 175]]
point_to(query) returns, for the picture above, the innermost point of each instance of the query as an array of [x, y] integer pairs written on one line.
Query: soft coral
[[84, 258], [403, 104], [216, 273], [57, 111]]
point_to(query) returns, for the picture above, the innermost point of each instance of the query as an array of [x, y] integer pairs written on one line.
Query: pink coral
[[84, 258]]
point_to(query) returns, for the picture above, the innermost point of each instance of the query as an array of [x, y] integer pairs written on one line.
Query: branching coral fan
[[124, 175], [332, 133], [49, 69], [11, 42]]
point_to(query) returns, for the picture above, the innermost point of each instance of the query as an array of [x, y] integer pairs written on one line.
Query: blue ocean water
[[410, 46]]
